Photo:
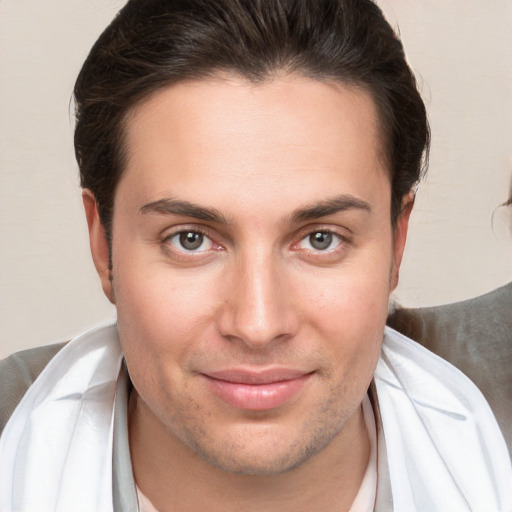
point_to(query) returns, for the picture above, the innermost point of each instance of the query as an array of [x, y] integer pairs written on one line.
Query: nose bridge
[[257, 310]]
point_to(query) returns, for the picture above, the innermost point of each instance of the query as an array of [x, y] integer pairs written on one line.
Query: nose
[[257, 309]]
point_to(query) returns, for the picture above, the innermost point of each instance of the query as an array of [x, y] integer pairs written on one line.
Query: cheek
[[159, 316], [353, 297], [355, 335], [154, 298], [350, 310]]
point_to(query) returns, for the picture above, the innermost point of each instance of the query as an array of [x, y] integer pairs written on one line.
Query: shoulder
[[434, 388], [474, 335], [17, 373], [439, 428], [487, 316]]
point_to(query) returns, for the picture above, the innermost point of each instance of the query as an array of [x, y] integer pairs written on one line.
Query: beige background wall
[[462, 53]]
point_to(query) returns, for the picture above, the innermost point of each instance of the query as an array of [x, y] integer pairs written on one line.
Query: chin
[[262, 464], [265, 453]]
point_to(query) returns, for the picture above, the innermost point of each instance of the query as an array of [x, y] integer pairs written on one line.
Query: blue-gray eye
[[190, 241], [320, 240]]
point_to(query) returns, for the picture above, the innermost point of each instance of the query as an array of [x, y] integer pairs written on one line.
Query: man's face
[[253, 258]]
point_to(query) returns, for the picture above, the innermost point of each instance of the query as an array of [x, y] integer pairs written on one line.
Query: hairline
[[217, 74]]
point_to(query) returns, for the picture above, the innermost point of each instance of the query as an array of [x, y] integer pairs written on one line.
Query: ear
[[99, 244], [400, 236]]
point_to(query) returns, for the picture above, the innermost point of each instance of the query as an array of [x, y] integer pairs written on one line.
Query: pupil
[[191, 240], [320, 240]]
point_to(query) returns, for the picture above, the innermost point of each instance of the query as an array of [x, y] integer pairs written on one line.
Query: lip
[[257, 390]]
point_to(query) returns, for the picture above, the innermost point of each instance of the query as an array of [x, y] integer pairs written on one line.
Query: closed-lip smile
[[257, 389]]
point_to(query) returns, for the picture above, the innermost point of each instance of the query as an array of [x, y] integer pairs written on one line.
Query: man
[[248, 169]]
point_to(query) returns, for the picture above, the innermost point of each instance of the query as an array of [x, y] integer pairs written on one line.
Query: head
[[248, 169]]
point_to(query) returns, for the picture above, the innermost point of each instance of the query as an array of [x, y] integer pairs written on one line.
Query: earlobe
[[400, 236], [99, 243]]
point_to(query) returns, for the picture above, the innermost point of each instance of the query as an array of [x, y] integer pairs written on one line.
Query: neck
[[173, 477]]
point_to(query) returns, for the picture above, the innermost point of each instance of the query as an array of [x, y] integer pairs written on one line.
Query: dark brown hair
[[154, 43]]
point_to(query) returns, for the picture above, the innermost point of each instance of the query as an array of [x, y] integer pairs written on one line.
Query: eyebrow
[[329, 207], [171, 206]]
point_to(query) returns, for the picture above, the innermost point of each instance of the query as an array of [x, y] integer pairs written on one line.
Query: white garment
[[56, 449], [445, 450], [365, 498]]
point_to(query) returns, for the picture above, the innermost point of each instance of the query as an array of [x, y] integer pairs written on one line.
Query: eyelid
[[337, 240], [170, 233], [182, 228], [322, 255], [343, 233], [176, 242]]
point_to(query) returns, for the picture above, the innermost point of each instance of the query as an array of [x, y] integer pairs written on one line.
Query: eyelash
[[343, 241], [328, 253], [166, 242]]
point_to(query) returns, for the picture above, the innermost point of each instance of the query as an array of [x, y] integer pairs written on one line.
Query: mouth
[[257, 391]]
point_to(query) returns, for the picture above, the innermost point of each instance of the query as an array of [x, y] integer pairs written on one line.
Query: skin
[[265, 168]]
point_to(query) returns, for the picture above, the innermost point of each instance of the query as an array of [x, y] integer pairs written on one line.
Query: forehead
[[194, 137]]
